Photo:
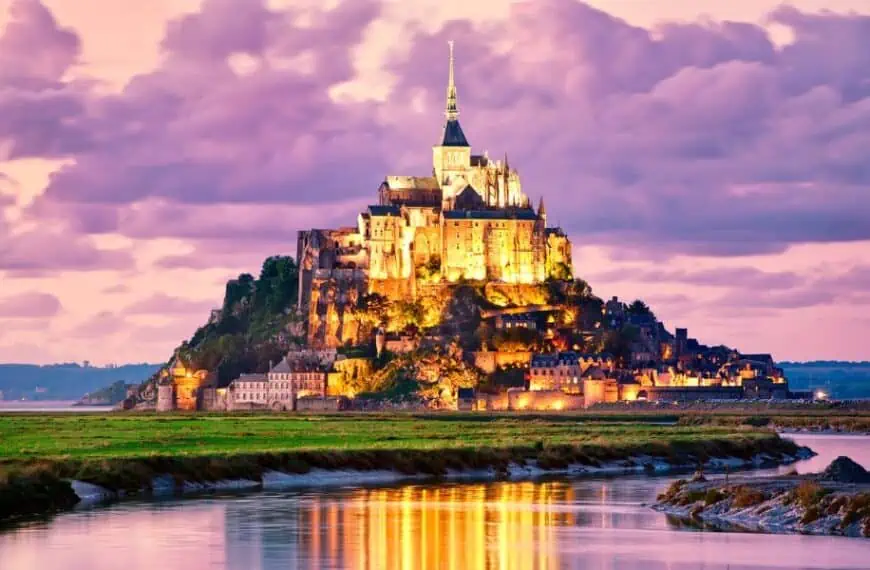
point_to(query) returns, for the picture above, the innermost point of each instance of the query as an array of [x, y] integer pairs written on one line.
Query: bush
[[813, 514], [747, 497], [672, 491], [23, 494], [713, 496], [857, 509], [756, 421], [809, 493]]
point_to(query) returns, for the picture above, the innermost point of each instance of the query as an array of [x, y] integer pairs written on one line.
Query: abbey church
[[468, 220]]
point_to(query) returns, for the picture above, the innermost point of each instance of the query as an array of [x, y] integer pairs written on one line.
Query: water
[[43, 406], [593, 524]]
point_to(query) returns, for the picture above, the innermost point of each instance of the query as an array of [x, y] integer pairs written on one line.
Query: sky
[[713, 161]]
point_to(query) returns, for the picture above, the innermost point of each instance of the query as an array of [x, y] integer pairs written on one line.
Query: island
[[451, 291]]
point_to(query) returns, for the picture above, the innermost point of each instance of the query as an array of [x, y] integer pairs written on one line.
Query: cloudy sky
[[714, 161]]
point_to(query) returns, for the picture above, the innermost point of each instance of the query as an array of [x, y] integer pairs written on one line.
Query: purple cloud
[[46, 250], [40, 114], [694, 138], [742, 277], [196, 131], [29, 306]]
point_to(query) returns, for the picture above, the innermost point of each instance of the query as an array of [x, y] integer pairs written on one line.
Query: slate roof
[[491, 215], [453, 135], [384, 210], [251, 378], [282, 367], [554, 359]]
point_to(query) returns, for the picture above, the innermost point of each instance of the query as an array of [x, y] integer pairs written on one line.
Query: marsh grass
[[126, 452]]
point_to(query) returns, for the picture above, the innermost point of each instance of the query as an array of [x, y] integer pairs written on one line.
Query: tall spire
[[453, 135], [506, 180], [542, 212], [452, 111]]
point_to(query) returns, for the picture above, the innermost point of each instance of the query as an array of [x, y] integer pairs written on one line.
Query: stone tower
[[452, 158]]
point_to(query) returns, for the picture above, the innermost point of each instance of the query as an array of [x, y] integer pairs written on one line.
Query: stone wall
[[328, 404], [542, 400], [490, 361], [165, 398]]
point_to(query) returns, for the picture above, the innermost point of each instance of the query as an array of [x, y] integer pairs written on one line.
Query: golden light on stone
[[470, 220]]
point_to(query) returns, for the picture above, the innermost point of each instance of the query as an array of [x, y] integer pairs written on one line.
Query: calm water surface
[[582, 524], [48, 406]]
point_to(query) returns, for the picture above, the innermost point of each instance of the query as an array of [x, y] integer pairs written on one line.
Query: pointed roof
[[542, 211], [453, 135], [282, 367]]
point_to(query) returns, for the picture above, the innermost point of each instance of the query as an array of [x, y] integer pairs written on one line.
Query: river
[[593, 524]]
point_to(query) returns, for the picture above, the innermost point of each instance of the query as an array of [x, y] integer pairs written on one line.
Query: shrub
[[811, 515], [692, 497], [747, 497], [809, 493], [857, 509], [756, 421], [672, 491], [23, 494], [836, 505], [713, 496]]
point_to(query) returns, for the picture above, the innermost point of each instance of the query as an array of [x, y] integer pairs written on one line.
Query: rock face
[[844, 470]]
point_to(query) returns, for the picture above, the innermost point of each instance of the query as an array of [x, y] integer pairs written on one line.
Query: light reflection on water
[[586, 523]]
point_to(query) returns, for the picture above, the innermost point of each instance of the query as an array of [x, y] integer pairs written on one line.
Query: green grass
[[40, 452], [97, 436]]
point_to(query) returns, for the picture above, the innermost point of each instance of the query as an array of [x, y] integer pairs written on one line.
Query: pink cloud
[[35, 252], [100, 325], [160, 303], [29, 306]]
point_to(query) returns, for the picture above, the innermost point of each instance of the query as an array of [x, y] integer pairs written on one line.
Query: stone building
[[280, 388], [179, 387], [468, 220], [565, 371]]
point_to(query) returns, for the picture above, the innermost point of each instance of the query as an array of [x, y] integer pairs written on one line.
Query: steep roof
[[453, 135], [282, 367]]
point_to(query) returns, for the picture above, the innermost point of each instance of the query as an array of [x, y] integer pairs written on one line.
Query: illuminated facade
[[179, 387], [469, 220], [280, 388]]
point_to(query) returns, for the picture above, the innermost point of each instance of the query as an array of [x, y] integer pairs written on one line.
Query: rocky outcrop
[[844, 470], [835, 502]]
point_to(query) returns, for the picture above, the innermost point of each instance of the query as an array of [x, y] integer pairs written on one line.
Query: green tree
[[640, 309]]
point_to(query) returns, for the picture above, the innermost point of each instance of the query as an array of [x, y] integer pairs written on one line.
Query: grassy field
[[40, 453], [96, 436]]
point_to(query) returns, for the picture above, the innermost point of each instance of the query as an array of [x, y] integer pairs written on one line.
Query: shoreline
[[43, 487], [786, 504], [324, 478]]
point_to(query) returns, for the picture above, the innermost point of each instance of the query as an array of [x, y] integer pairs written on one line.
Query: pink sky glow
[[713, 161]]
